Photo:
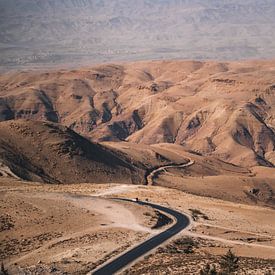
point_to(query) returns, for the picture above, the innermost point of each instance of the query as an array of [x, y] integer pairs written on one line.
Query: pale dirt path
[[235, 230], [117, 214], [5, 171], [219, 239], [114, 215], [118, 189]]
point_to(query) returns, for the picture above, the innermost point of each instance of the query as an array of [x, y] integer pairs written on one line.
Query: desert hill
[[47, 152], [52, 153], [225, 110]]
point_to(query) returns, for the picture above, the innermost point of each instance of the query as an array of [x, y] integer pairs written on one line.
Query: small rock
[[53, 269]]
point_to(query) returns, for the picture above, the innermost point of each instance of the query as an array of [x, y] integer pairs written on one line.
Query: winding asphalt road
[[150, 177], [123, 260]]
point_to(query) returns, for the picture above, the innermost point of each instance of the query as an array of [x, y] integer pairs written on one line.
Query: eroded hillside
[[48, 152], [220, 109]]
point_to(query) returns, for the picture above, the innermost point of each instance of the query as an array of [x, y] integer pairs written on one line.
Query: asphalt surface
[[150, 177], [123, 260]]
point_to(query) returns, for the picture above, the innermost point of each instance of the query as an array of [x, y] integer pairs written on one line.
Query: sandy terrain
[[220, 225], [195, 136], [63, 228]]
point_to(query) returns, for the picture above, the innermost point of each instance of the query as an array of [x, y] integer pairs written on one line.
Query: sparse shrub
[[229, 263], [185, 241], [189, 249], [197, 214], [3, 271], [196, 211], [209, 270], [147, 214], [185, 245]]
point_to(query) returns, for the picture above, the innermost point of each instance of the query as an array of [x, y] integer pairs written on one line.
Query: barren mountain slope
[[47, 152], [214, 178], [220, 109]]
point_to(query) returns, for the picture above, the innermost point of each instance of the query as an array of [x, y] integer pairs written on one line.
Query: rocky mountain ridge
[[221, 109]]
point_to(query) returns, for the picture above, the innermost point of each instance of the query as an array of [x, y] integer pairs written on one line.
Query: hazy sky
[[77, 31]]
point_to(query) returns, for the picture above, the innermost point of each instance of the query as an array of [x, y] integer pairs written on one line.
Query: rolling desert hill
[[51, 153], [219, 109], [48, 152]]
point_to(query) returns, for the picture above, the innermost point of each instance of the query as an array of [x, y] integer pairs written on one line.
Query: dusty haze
[[50, 32]]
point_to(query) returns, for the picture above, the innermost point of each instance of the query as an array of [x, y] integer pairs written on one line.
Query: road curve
[[182, 221], [150, 177]]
